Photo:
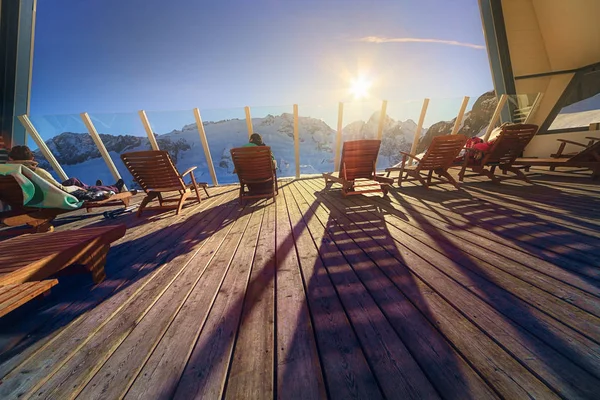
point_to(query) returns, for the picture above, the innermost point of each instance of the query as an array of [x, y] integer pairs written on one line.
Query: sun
[[359, 87]]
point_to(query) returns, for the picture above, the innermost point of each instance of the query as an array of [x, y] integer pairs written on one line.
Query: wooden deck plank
[[33, 371], [135, 257], [397, 372], [124, 365], [490, 291], [527, 348], [204, 375], [444, 367], [252, 371], [168, 358], [160, 311], [299, 374], [493, 267], [346, 371], [515, 245]]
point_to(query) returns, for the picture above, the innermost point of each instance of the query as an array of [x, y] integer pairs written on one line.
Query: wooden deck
[[492, 291]]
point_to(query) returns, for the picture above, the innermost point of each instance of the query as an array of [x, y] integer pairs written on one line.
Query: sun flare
[[359, 87]]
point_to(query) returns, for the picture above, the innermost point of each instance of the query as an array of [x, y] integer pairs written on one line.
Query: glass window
[[582, 104]]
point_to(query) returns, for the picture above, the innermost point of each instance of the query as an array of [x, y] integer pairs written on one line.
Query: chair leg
[[429, 174], [518, 173], [182, 200], [195, 184], [149, 197], [450, 178]]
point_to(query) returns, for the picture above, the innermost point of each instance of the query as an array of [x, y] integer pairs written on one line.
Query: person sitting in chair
[[24, 156], [256, 140]]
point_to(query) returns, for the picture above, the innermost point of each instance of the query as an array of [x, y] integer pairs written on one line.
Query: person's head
[[20, 153], [256, 139]]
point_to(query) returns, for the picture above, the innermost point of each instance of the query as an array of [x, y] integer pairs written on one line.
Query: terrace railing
[[305, 139]]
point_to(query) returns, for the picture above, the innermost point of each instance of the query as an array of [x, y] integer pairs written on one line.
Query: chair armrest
[[188, 171], [593, 138], [571, 142], [405, 154]]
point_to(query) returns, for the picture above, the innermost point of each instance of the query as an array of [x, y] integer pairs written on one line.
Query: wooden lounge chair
[[155, 172], [358, 161], [255, 171], [26, 261], [589, 157], [509, 145], [439, 157], [563, 143], [40, 219]]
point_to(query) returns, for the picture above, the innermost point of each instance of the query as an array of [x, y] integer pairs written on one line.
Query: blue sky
[[122, 56]]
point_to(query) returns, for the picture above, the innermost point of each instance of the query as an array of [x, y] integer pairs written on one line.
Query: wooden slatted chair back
[[153, 170], [358, 159], [253, 164], [589, 154], [10, 191], [441, 152], [510, 144]]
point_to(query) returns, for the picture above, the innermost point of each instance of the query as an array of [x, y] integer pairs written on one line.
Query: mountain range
[[79, 157]]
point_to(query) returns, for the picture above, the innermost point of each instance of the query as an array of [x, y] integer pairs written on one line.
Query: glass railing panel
[[177, 133], [361, 120], [317, 130], [121, 133], [225, 129], [398, 131], [520, 106], [439, 119], [275, 124], [71, 144]]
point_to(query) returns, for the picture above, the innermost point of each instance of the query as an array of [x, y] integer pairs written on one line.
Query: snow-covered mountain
[[79, 156]]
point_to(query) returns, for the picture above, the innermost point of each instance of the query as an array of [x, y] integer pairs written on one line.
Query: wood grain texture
[[487, 292]]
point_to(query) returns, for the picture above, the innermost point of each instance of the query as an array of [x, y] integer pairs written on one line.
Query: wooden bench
[[35, 257], [15, 295]]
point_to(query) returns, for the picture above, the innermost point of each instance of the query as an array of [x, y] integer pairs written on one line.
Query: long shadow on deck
[[566, 366], [370, 319], [127, 263]]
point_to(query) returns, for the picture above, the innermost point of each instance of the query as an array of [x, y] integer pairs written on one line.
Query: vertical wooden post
[[495, 116], [460, 115], [209, 161], [534, 107], [42, 146], [381, 119], [415, 143], [296, 141], [100, 145], [148, 128], [338, 137], [248, 121]]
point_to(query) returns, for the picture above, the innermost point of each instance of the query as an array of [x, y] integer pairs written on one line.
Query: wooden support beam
[[338, 137], [100, 145], [248, 121], [42, 146], [296, 141], [149, 131], [461, 114], [415, 143], [382, 115], [495, 117], [204, 141]]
